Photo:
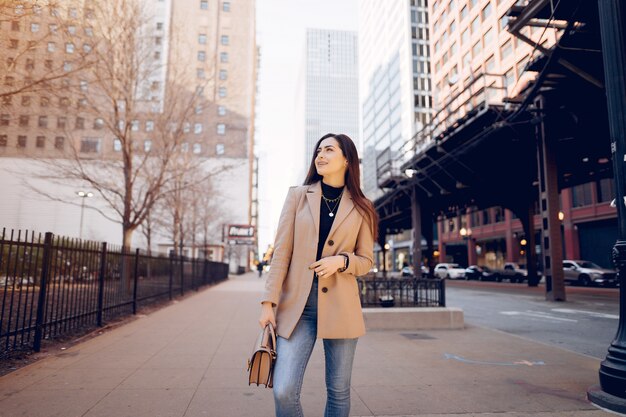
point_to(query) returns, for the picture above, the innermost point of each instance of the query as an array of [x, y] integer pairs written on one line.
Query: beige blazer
[[339, 314]]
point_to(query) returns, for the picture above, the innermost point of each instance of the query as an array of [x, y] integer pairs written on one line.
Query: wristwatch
[[346, 262]]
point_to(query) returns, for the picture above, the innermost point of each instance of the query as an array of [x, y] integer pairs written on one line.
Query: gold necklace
[[326, 200]]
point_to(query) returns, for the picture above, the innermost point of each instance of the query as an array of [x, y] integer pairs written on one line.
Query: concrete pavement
[[189, 358]]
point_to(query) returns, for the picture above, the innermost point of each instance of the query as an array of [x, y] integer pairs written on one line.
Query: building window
[[509, 78], [486, 217], [204, 4], [197, 148], [464, 12], [149, 126], [21, 141], [117, 145], [226, 6], [582, 195], [61, 122], [147, 145], [13, 43], [486, 12], [475, 27], [221, 129], [5, 119], [98, 123], [40, 142], [223, 74], [43, 121], [224, 40], [69, 48], [158, 40], [134, 125], [89, 31], [476, 49], [15, 26], [198, 110], [223, 56], [606, 190], [521, 67], [201, 56], [80, 123], [219, 149], [24, 121], [67, 66], [157, 55], [200, 73], [90, 145], [506, 50], [488, 37], [53, 27], [59, 142], [25, 101], [159, 26], [4, 140], [490, 64], [504, 20], [71, 29], [184, 147], [465, 36], [51, 46], [221, 110], [202, 39], [197, 128], [83, 85], [222, 91], [48, 64], [498, 214]]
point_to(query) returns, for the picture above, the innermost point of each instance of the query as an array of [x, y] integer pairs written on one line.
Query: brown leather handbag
[[261, 363]]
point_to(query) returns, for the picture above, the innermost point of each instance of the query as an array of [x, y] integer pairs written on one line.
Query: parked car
[[480, 273], [407, 271], [587, 273], [511, 271], [449, 270]]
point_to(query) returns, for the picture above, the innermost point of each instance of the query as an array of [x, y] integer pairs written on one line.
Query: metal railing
[[402, 292], [482, 91], [52, 286]]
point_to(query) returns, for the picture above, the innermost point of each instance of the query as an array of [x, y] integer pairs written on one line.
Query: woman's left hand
[[327, 266]]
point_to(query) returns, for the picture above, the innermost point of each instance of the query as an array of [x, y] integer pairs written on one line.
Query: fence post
[[171, 274], [442, 292], [41, 301], [182, 275], [135, 281], [103, 260]]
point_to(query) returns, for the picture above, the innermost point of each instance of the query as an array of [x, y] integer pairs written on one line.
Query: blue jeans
[[293, 356]]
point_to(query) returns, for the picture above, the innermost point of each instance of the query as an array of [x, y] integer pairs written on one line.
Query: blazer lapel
[[314, 199]]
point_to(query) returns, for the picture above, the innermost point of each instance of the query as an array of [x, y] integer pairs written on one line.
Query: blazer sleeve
[[360, 262], [283, 249]]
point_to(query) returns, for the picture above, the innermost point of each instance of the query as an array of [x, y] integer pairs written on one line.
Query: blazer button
[[324, 289], [331, 243]]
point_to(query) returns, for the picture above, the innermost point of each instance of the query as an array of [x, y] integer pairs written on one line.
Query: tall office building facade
[[330, 93], [188, 47], [394, 76]]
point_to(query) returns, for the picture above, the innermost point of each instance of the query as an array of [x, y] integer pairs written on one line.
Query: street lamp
[[83, 195]]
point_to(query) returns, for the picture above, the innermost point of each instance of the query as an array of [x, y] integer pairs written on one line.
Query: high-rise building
[[394, 76], [330, 86], [184, 48]]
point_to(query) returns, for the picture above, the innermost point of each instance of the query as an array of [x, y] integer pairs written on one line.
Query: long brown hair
[[352, 178]]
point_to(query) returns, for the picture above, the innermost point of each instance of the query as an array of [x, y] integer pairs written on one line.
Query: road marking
[[474, 362], [537, 314], [590, 313]]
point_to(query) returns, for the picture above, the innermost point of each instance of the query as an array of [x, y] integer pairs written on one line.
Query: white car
[[587, 273], [449, 270]]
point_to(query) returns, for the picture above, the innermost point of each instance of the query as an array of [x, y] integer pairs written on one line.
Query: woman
[[313, 286]]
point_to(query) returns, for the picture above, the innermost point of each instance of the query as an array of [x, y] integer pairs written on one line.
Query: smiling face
[[329, 160]]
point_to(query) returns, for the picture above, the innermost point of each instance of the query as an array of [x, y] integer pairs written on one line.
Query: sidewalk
[[189, 360]]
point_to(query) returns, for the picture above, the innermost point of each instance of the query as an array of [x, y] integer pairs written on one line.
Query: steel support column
[[612, 392], [549, 203], [416, 224]]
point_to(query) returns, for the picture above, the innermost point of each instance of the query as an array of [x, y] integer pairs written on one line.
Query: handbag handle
[[269, 334]]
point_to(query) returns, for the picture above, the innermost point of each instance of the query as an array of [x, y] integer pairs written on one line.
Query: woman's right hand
[[267, 315]]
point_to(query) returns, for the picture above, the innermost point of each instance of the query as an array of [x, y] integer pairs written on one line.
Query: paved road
[[585, 324]]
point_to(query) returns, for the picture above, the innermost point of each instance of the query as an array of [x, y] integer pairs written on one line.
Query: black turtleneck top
[[326, 221]]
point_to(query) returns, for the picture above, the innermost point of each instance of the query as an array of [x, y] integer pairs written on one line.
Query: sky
[[281, 27]]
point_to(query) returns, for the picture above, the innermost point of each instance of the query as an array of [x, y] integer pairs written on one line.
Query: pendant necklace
[[326, 200]]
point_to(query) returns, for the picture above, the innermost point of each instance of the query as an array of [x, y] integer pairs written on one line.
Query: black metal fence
[[52, 286], [402, 292]]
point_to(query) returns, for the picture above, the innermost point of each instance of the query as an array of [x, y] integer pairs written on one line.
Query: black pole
[[135, 281], [103, 262], [612, 391], [43, 284]]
